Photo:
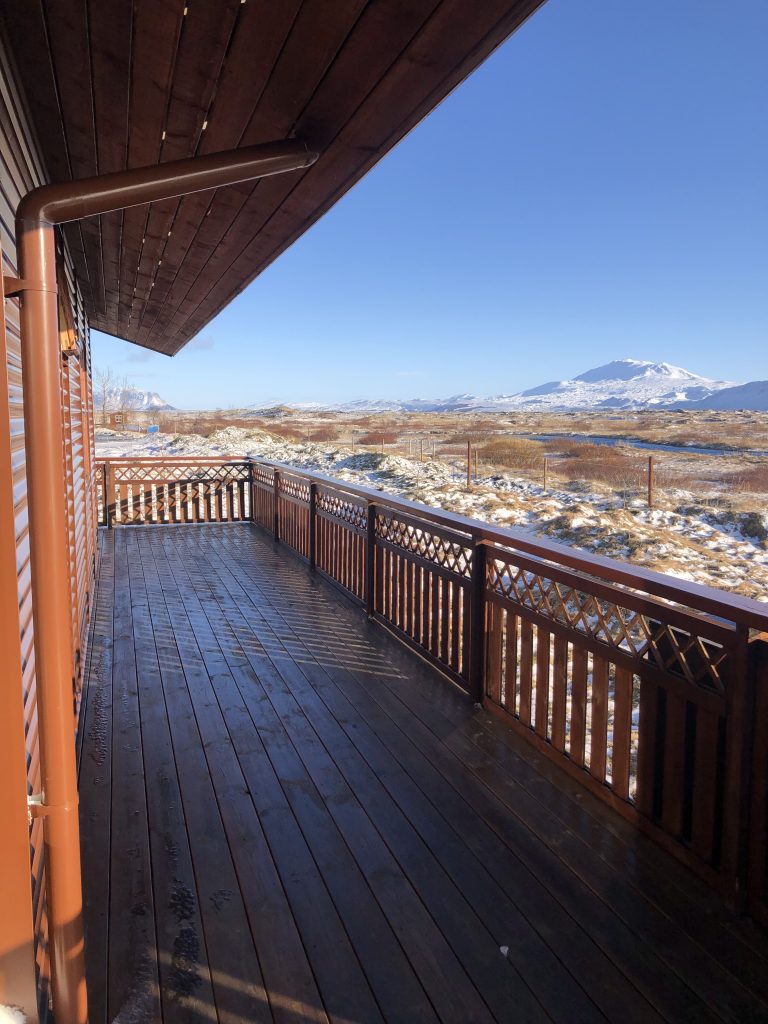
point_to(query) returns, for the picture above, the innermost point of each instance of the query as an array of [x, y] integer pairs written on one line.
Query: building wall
[[24, 964]]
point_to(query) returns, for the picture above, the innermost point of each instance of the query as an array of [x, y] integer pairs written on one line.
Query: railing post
[[276, 517], [109, 493], [102, 483], [757, 874], [739, 726], [370, 561], [477, 613], [251, 489], [312, 526]]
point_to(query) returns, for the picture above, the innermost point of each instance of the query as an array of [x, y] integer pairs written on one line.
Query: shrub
[[377, 436], [512, 452]]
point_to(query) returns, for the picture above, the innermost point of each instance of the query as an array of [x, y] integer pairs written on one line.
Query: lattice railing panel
[[291, 487], [264, 476], [632, 691], [443, 549], [155, 493], [700, 659], [187, 472], [345, 509]]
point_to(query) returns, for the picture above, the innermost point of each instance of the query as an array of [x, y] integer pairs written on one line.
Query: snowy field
[[689, 538]]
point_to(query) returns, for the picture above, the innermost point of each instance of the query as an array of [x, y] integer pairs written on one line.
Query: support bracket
[[13, 286], [39, 809]]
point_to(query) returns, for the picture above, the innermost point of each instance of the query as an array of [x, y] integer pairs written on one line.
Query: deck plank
[[357, 763], [134, 982], [288, 984], [262, 735], [352, 840], [185, 982], [225, 723], [449, 988], [95, 781]]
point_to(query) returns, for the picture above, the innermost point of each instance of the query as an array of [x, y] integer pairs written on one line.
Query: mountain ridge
[[622, 384], [130, 399]]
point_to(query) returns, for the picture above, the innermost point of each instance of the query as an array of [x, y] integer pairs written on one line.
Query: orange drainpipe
[[36, 217]]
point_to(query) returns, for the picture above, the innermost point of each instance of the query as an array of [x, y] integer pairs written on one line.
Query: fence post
[[469, 464], [276, 492], [312, 526], [650, 481], [370, 561], [477, 614], [251, 490]]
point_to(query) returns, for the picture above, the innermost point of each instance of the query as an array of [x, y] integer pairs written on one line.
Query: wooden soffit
[[124, 83]]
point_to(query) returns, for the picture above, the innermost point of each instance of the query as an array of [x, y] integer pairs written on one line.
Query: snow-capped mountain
[[621, 384], [133, 399]]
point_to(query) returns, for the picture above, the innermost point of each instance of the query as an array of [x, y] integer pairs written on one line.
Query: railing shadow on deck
[[651, 691]]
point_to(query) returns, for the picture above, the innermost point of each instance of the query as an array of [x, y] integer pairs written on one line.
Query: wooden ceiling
[[124, 83]]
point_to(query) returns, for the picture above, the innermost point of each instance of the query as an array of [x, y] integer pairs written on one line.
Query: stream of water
[[679, 449]]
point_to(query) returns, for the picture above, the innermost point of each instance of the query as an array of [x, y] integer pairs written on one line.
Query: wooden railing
[[651, 691], [154, 491]]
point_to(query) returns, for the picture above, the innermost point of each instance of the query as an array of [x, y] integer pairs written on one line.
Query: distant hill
[[752, 396], [133, 399]]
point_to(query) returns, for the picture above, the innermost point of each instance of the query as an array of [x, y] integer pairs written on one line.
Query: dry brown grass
[[571, 463], [752, 479], [173, 423], [289, 430], [512, 453], [328, 433], [379, 437]]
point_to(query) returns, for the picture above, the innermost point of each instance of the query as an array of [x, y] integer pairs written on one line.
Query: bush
[[377, 437], [512, 452], [328, 433]]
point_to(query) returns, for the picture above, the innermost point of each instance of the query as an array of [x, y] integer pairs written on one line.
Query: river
[[652, 446]]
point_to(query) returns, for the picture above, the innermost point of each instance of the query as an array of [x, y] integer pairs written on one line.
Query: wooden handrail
[[735, 607]]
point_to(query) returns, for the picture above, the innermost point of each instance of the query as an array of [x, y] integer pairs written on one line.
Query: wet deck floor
[[288, 816]]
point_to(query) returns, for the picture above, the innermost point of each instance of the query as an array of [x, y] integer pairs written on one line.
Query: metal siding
[[21, 170]]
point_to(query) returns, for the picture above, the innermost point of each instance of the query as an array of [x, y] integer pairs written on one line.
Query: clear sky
[[597, 189]]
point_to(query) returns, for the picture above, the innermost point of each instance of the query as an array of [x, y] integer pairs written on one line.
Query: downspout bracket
[[13, 286], [39, 809]]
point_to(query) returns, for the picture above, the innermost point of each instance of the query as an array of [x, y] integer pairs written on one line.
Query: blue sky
[[596, 190]]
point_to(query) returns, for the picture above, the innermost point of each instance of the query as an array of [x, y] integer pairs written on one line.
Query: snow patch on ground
[[11, 1015], [687, 538]]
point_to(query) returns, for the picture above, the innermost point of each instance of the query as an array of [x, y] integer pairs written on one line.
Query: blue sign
[[153, 428]]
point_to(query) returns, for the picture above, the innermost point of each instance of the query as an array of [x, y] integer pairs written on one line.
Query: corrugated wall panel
[[21, 170], [18, 173], [18, 742]]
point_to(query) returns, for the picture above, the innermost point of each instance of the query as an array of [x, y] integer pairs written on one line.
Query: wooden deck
[[286, 815]]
